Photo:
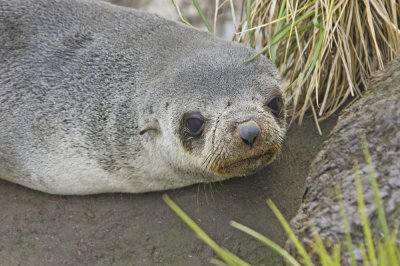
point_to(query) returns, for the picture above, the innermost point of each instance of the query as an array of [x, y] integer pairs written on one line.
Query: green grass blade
[[248, 18], [349, 243], [316, 55], [336, 255], [180, 13], [380, 209], [202, 16], [218, 262], [292, 236], [395, 244], [382, 258], [280, 35], [319, 247], [374, 185], [223, 253], [364, 218], [278, 26], [266, 241], [364, 255]]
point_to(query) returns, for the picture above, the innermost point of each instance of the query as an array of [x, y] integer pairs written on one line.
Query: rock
[[377, 115]]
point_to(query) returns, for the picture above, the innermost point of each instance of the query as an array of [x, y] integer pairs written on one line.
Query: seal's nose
[[248, 132]]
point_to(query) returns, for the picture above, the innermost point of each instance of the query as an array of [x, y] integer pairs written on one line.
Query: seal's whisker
[[206, 162], [214, 158], [209, 163], [217, 158], [211, 184], [197, 196], [205, 192], [208, 156]]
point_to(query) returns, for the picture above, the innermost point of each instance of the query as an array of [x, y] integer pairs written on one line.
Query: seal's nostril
[[248, 132]]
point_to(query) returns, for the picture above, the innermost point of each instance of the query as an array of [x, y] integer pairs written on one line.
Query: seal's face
[[240, 140]]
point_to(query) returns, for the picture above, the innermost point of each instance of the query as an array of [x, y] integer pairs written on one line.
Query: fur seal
[[97, 98]]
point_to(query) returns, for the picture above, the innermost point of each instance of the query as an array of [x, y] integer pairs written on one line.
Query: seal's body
[[97, 98]]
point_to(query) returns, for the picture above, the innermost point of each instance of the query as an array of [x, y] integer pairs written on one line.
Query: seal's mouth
[[243, 166], [246, 160]]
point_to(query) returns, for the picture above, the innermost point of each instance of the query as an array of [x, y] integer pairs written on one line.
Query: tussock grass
[[326, 50], [383, 250]]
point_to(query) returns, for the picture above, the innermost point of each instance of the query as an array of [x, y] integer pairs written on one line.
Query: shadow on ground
[[139, 229]]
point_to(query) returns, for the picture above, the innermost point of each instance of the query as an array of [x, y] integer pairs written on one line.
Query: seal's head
[[221, 117]]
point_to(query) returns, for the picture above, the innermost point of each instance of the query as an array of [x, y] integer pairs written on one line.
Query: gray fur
[[78, 79]]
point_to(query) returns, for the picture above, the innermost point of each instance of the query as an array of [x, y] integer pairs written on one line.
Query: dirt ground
[[139, 229]]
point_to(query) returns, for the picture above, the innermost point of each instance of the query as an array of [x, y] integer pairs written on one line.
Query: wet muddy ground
[[139, 229]]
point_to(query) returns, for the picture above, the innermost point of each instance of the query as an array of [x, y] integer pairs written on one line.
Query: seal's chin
[[244, 166]]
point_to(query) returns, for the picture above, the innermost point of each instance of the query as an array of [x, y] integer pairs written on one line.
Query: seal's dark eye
[[194, 123], [275, 104]]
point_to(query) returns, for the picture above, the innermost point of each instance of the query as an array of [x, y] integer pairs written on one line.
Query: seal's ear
[[153, 125]]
